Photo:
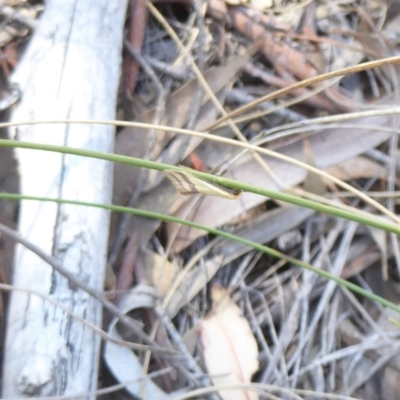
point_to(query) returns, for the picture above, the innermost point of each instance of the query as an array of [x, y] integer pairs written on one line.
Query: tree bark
[[70, 70]]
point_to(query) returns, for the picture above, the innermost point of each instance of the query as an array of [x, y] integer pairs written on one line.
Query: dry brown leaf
[[236, 2], [159, 272], [261, 5], [230, 349], [262, 229], [284, 57], [356, 168]]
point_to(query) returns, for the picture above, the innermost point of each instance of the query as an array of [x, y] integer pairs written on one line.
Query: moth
[[186, 183]]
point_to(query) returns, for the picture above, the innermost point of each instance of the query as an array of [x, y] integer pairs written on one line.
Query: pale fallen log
[[70, 70]]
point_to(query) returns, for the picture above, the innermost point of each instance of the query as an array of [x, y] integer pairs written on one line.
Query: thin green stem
[[246, 242], [370, 220]]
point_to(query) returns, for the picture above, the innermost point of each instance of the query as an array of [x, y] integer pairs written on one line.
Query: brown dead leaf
[[230, 349], [236, 2], [281, 54], [261, 5], [159, 272], [356, 168]]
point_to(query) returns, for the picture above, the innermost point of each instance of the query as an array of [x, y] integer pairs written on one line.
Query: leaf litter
[[230, 349], [273, 325], [294, 325]]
